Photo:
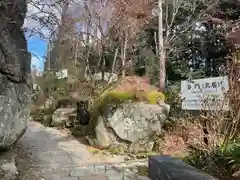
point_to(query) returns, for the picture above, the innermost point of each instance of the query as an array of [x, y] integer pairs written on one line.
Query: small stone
[[8, 171], [10, 167]]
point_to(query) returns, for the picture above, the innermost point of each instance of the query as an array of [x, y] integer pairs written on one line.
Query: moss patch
[[154, 96], [109, 97], [131, 88], [112, 97]]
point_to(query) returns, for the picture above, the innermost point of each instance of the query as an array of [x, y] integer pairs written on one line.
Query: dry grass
[[178, 142], [134, 83], [174, 145]]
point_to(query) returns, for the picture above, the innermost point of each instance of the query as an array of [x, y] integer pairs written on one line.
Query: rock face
[[130, 123], [15, 73], [63, 117]]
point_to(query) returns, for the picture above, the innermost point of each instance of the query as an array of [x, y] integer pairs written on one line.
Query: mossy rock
[[112, 97]]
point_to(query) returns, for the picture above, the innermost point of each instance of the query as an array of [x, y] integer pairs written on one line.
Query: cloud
[[42, 17]]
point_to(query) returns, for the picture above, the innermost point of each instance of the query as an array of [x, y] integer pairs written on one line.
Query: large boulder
[[15, 73], [131, 123], [129, 115]]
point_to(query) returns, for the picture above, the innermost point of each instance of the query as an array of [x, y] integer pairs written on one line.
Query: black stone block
[[168, 168]]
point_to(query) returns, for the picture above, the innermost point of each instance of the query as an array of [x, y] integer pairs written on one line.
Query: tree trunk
[[124, 54], [162, 68]]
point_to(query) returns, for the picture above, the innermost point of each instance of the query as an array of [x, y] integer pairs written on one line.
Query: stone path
[[49, 154]]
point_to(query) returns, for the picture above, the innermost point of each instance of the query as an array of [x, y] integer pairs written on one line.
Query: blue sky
[[38, 48], [45, 10]]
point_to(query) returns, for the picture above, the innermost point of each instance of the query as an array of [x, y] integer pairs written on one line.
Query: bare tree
[[162, 63], [169, 33], [96, 27]]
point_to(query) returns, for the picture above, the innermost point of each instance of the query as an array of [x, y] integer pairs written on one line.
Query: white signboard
[[62, 74], [109, 77], [35, 86], [205, 94]]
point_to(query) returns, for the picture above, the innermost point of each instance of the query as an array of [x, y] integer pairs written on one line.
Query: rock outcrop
[[131, 123], [15, 73], [129, 115]]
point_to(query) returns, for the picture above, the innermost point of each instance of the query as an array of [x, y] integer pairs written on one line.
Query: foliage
[[52, 86], [173, 98], [231, 154], [222, 163], [220, 156], [52, 90], [195, 44], [176, 114]]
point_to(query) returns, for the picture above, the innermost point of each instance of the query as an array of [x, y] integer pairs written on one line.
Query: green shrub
[[176, 115], [173, 98], [222, 163], [51, 86], [230, 156]]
